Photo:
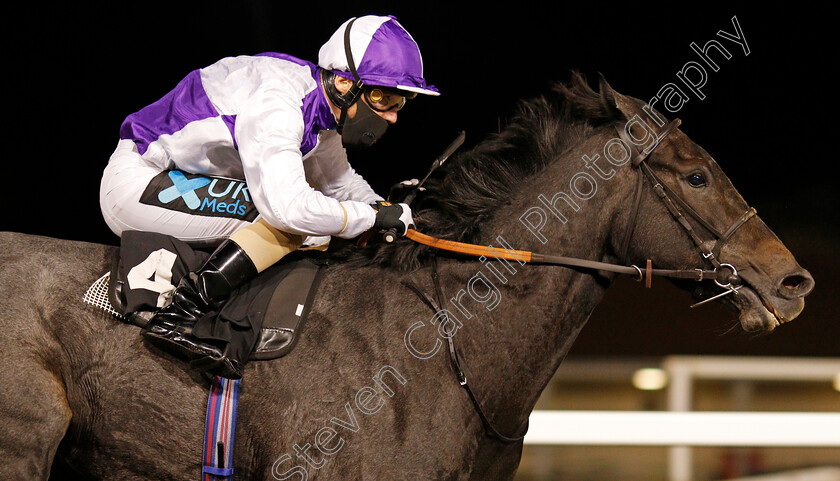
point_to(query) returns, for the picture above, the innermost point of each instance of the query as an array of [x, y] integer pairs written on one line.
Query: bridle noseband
[[676, 206]]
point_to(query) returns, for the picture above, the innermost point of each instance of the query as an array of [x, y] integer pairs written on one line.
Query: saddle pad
[[265, 315], [287, 308]]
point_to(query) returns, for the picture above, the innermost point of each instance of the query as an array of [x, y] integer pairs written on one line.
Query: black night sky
[[76, 70]]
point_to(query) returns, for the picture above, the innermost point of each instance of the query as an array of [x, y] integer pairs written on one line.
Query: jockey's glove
[[392, 216]]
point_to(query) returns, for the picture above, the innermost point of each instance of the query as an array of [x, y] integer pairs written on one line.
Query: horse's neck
[[513, 348]]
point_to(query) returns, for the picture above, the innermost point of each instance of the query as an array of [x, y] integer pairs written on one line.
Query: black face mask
[[363, 129]]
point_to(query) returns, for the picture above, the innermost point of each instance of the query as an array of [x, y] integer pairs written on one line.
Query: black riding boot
[[198, 294]]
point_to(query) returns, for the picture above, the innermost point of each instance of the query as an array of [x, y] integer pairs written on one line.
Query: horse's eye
[[696, 179]]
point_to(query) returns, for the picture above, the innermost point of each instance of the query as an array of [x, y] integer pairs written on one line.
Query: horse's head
[[675, 206], [719, 230]]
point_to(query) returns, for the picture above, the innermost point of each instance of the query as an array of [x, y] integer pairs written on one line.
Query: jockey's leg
[[137, 194], [130, 199], [264, 244], [236, 261]]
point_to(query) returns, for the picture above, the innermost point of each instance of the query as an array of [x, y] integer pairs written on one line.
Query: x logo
[[183, 187]]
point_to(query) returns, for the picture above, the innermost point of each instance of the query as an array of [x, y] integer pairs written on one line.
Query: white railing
[[650, 428], [680, 427]]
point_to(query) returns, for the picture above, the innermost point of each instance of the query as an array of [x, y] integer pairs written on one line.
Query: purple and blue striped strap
[[219, 428]]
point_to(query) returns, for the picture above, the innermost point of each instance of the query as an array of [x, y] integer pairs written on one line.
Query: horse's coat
[[90, 396]]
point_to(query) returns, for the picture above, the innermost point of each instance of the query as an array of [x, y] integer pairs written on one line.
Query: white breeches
[[127, 176], [198, 208]]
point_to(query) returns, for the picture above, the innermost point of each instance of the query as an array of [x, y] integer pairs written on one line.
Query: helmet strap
[[346, 100]]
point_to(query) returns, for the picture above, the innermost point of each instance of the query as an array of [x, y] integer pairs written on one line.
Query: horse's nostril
[[793, 282], [795, 285]]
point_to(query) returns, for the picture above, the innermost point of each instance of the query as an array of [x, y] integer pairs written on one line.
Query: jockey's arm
[[269, 134], [329, 171]]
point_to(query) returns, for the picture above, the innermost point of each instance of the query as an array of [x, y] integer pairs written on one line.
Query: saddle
[[267, 313]]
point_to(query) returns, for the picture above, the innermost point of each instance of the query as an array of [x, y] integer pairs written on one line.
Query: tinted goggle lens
[[385, 100]]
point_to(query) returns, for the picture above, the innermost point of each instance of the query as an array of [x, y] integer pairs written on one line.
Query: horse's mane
[[470, 187]]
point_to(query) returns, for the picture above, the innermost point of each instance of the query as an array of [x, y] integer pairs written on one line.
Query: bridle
[[725, 275], [676, 206]]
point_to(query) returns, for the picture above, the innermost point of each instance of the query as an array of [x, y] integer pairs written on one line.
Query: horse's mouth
[[756, 314]]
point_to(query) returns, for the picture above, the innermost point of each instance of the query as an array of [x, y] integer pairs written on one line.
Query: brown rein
[[724, 275], [535, 258]]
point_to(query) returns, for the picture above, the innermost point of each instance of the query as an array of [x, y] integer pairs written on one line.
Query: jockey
[[251, 151]]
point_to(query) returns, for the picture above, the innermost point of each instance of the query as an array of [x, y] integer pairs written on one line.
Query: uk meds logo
[[200, 195], [183, 188]]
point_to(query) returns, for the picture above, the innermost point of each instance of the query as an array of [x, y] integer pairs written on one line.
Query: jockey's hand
[[392, 216], [400, 190]]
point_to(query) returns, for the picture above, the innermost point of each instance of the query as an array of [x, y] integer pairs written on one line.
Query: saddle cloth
[[264, 317]]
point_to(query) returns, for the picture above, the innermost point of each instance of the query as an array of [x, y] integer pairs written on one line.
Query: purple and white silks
[[264, 119]]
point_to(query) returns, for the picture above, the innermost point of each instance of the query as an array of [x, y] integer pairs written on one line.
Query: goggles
[[385, 100]]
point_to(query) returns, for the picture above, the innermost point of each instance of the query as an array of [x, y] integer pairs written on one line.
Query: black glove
[[392, 216]]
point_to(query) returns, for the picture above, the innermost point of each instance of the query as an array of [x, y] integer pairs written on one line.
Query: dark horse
[[369, 393]]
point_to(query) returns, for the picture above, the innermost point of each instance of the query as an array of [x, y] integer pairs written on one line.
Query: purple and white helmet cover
[[384, 52]]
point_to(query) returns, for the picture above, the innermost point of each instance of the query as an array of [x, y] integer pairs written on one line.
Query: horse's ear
[[621, 106]]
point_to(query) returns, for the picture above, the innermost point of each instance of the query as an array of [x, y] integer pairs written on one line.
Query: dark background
[[76, 71]]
